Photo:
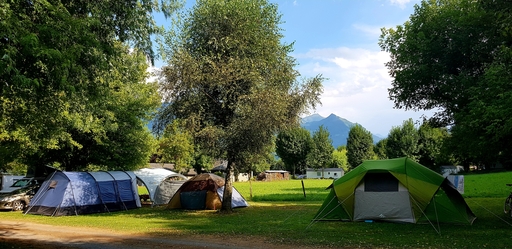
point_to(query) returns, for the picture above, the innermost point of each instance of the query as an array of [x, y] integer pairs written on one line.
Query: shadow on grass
[[286, 222]]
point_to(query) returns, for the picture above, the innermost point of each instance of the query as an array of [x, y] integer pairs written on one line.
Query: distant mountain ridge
[[338, 128]]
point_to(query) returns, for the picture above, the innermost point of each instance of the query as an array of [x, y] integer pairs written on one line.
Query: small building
[[272, 175], [329, 173]]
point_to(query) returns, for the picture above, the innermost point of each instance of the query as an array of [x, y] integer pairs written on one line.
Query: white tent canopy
[[161, 183]]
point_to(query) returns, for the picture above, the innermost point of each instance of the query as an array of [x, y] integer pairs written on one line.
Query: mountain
[[312, 118], [338, 128]]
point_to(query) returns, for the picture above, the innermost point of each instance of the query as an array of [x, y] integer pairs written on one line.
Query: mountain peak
[[313, 118], [338, 127]]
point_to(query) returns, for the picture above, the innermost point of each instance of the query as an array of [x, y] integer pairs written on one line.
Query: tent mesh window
[[380, 182]]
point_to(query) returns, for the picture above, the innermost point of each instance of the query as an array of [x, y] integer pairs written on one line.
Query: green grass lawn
[[279, 213]]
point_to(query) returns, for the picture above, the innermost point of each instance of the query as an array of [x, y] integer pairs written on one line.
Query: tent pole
[[340, 203], [119, 194], [73, 194], [42, 187], [117, 190], [435, 209], [419, 207]]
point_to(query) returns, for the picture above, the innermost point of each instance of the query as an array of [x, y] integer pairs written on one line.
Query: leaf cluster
[[359, 145], [232, 80], [65, 69], [453, 56]]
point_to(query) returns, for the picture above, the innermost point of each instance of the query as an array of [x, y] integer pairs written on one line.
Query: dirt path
[[32, 235]]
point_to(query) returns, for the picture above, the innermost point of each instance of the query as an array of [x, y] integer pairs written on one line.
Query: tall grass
[[279, 213]]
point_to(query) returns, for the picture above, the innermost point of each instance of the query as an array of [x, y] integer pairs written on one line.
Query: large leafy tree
[[320, 155], [380, 149], [403, 141], [57, 60], [233, 81], [454, 55], [359, 145], [339, 159], [257, 162], [177, 146], [293, 147], [431, 144]]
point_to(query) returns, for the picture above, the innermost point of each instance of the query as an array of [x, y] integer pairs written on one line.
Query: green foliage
[[258, 162], [119, 139], [340, 160], [293, 147], [202, 162], [64, 66], [176, 146], [484, 128], [14, 168], [320, 155], [359, 146], [233, 82], [278, 165], [455, 55], [403, 141], [380, 149], [431, 143]]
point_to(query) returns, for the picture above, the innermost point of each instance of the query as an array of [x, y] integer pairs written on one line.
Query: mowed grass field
[[279, 213]]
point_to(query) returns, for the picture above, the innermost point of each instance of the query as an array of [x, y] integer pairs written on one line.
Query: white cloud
[[357, 88], [152, 74], [400, 3], [370, 31]]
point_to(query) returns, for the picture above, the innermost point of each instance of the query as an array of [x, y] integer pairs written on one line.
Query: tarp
[[395, 190], [162, 184], [74, 193], [204, 191]]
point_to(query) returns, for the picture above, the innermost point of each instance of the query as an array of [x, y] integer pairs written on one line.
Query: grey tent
[[162, 184]]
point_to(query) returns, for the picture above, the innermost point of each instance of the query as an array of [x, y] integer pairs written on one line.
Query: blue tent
[[74, 193]]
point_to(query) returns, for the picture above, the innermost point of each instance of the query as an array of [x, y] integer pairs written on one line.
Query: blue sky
[[339, 39]]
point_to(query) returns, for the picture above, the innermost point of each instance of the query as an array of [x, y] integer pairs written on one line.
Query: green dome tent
[[394, 190]]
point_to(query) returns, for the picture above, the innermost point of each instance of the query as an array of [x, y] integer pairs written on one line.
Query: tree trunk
[[228, 188]]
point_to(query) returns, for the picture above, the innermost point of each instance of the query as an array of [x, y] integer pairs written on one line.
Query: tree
[[120, 139], [257, 162], [431, 141], [403, 141], [359, 145], [339, 159], [320, 155], [233, 81], [56, 64], [202, 162], [455, 55], [380, 149], [293, 147], [177, 146]]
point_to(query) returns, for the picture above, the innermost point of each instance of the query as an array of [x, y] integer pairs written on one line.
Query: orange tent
[[204, 191]]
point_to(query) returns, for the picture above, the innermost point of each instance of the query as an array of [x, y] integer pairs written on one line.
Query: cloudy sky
[[339, 39]]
